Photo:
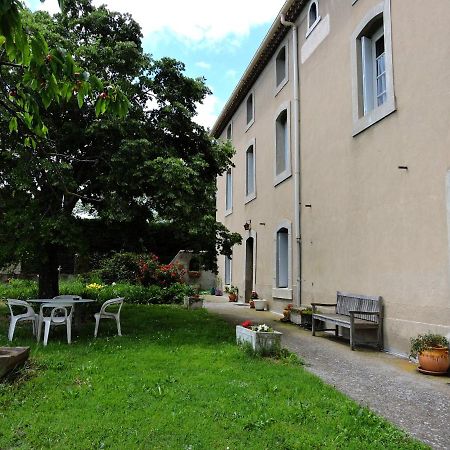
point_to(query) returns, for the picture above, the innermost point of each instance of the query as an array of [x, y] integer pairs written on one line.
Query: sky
[[216, 40]]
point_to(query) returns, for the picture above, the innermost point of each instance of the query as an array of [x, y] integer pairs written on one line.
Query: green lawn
[[175, 380]]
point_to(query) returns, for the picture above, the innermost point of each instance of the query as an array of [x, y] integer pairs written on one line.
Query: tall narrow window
[[372, 70], [229, 132], [282, 143], [282, 258], [227, 270], [313, 16], [250, 110], [380, 68], [250, 173], [281, 67], [229, 191]]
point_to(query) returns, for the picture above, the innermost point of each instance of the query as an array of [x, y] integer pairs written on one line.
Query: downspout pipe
[[297, 191]]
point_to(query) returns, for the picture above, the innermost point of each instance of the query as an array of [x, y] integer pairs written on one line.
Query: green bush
[[120, 267], [133, 293], [21, 289]]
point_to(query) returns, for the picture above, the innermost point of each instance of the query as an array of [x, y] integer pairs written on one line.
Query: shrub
[[133, 293], [143, 269], [426, 342], [151, 272], [20, 289], [119, 267]]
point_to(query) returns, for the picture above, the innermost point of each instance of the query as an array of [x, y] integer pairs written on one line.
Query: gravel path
[[388, 385]]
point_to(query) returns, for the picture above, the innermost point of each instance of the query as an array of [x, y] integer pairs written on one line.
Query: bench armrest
[[372, 313], [313, 305]]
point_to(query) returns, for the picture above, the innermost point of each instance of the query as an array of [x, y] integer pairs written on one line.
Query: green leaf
[[2, 40], [98, 108], [13, 125], [80, 99]]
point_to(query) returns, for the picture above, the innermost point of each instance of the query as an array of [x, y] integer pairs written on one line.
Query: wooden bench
[[354, 312]]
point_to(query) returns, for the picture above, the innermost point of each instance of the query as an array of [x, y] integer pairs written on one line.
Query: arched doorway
[[249, 268]]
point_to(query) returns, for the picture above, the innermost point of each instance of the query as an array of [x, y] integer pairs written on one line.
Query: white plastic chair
[[58, 316], [103, 314], [29, 316]]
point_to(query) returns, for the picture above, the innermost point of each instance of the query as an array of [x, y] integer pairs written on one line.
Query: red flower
[[246, 324]]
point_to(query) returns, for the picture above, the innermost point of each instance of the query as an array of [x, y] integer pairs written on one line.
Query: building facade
[[342, 166]]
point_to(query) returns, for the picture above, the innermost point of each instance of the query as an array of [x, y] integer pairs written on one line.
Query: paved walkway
[[390, 386]]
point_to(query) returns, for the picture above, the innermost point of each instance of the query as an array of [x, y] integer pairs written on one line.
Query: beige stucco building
[[341, 125]]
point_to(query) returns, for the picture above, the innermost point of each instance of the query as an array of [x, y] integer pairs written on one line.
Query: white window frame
[[283, 82], [252, 121], [313, 25], [282, 293], [252, 195], [228, 211], [226, 258], [279, 178], [364, 117]]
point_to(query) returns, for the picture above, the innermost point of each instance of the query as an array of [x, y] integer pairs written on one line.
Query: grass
[[175, 380]]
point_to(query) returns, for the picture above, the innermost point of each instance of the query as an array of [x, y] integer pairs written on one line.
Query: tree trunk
[[48, 273]]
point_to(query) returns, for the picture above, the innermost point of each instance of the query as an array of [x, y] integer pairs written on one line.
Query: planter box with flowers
[[262, 338]]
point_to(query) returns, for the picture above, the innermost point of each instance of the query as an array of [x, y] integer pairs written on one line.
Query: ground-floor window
[[227, 270], [282, 258]]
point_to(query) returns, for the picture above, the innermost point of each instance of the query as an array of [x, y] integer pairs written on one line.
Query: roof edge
[[274, 36]]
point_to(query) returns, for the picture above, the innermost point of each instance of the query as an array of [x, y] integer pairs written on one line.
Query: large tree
[[155, 165]]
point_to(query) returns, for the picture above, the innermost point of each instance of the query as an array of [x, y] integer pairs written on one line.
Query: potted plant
[[432, 351], [306, 317], [287, 313], [232, 292], [218, 291], [260, 304], [253, 297], [262, 338]]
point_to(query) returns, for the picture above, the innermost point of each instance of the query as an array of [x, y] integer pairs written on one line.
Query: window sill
[[282, 177], [228, 212], [373, 117], [283, 293], [249, 198], [250, 124], [281, 86], [311, 28]]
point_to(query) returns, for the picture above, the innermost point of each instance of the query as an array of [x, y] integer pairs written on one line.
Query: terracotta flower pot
[[434, 360], [232, 297]]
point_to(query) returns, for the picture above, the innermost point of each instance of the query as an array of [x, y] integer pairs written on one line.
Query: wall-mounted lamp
[[248, 225]]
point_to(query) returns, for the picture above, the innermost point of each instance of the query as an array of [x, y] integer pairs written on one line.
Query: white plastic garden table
[[62, 302]]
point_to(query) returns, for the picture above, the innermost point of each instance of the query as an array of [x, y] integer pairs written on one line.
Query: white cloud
[[50, 6], [208, 111], [203, 65], [195, 20]]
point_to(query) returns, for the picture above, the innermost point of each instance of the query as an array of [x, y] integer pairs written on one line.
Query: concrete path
[[390, 386]]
